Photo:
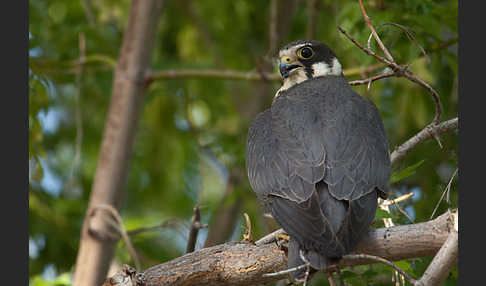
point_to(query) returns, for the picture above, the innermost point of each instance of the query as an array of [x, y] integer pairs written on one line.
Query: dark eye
[[305, 53]]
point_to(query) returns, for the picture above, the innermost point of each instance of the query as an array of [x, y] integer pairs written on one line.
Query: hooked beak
[[286, 69]]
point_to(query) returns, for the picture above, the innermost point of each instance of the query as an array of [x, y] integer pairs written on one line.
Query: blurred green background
[[190, 143]]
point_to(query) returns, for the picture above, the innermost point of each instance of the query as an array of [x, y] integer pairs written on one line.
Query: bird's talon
[[283, 236]]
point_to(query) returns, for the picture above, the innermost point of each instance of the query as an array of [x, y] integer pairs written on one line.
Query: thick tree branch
[[242, 263]]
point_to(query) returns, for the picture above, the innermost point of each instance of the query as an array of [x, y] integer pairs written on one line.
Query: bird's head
[[304, 59]]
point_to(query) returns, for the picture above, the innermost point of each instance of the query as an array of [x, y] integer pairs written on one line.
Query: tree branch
[[209, 73], [96, 248], [194, 231], [375, 35], [236, 75], [427, 133], [242, 263], [443, 261]]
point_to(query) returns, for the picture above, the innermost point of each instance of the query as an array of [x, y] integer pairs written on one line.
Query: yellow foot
[[281, 239], [283, 236], [247, 234]]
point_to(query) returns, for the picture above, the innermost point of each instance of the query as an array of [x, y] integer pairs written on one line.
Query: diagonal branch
[[427, 133], [373, 32], [444, 260]]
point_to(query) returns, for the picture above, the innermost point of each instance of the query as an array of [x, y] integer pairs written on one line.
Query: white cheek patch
[[320, 69], [323, 69]]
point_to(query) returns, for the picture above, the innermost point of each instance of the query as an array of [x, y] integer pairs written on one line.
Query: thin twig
[[271, 237], [375, 35], [381, 260], [367, 51], [404, 213], [286, 271], [446, 190], [410, 36], [399, 199], [386, 203], [209, 73], [194, 230], [168, 223], [371, 79]]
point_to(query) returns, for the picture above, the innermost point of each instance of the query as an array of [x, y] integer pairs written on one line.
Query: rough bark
[[97, 239], [244, 263]]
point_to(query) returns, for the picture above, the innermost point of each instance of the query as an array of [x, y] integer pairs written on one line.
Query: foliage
[[192, 132]]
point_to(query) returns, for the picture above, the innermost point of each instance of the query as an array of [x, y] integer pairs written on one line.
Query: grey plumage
[[318, 159]]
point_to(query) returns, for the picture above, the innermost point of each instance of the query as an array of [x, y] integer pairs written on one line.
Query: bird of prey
[[318, 158]]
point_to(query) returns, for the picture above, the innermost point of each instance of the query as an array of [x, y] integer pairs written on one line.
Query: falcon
[[318, 158]]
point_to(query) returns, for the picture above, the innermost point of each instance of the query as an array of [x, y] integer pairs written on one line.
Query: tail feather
[[323, 227]]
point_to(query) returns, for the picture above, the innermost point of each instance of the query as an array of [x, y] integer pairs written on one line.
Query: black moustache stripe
[[309, 72]]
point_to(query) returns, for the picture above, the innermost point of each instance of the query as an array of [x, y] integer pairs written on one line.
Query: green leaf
[[407, 172]]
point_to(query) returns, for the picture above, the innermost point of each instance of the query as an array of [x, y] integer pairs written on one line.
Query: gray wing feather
[[269, 167], [321, 121]]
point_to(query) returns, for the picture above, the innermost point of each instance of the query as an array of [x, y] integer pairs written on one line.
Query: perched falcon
[[318, 158]]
